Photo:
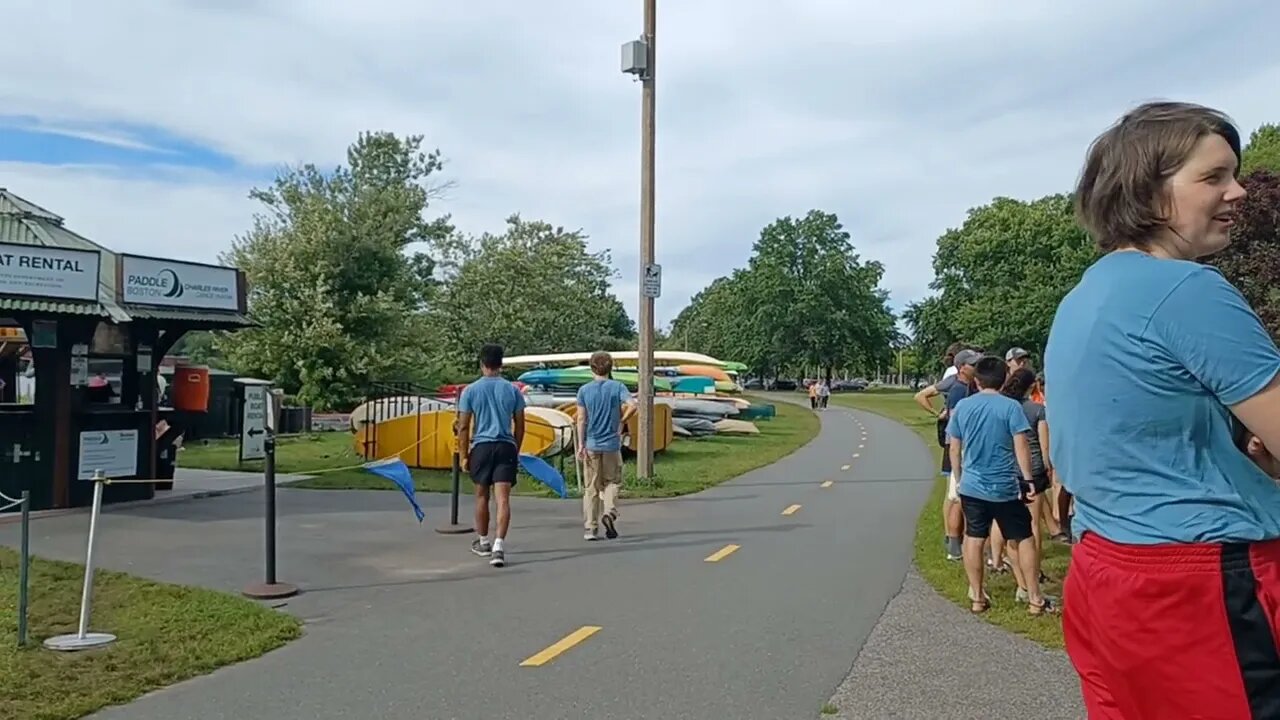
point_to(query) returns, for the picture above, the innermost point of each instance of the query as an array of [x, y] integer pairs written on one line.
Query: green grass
[[687, 466], [948, 577], [167, 633]]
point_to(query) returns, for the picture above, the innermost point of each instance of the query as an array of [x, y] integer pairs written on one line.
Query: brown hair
[[1120, 198], [1018, 384], [601, 363]]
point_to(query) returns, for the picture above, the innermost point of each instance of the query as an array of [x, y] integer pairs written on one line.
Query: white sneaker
[[590, 536]]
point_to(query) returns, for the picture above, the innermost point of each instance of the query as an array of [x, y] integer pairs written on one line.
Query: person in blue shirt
[[1173, 598], [490, 431], [600, 446], [989, 447]]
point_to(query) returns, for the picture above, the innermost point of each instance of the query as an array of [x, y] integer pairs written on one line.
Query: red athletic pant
[[1175, 631]]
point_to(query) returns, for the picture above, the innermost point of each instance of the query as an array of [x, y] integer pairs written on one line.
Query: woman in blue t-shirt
[[1172, 601]]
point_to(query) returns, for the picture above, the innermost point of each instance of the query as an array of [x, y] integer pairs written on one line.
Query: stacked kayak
[[575, 377]]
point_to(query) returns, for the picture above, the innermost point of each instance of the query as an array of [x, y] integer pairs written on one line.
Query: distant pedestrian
[[824, 394], [492, 452], [813, 395], [599, 436]]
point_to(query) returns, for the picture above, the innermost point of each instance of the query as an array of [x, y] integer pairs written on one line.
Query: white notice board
[[114, 452], [253, 428]]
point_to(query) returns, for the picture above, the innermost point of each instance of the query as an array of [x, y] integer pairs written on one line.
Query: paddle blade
[[543, 473], [397, 472]]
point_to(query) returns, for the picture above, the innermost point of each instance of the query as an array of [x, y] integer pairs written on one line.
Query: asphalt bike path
[[748, 600]]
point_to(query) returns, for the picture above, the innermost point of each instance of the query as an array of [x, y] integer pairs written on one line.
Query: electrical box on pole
[[635, 58]]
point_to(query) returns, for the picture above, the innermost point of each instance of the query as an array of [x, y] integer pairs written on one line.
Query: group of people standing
[[490, 430], [1001, 490]]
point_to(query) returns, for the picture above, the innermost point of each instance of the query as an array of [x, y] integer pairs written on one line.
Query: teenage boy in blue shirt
[[600, 446], [492, 452], [988, 444]]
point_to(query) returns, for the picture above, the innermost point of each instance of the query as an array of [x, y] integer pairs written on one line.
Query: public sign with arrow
[[253, 428]]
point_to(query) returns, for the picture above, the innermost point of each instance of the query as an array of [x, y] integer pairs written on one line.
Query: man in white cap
[[1017, 358]]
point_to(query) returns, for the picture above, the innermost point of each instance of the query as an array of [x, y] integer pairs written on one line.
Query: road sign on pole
[[652, 280], [253, 425]]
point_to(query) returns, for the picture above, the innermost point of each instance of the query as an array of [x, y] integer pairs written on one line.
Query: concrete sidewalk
[[928, 658]]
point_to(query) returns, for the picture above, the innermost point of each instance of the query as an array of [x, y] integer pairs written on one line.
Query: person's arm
[[1019, 427], [924, 398], [1042, 431], [580, 433], [1208, 326], [1022, 450], [1261, 415], [624, 403], [517, 421], [462, 429], [955, 446]]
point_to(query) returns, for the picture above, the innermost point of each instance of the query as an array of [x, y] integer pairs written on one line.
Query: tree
[[805, 298], [720, 321], [930, 333], [1004, 272], [1252, 261], [1263, 151], [534, 289], [336, 287], [815, 296]]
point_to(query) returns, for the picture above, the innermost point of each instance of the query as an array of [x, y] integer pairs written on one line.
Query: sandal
[[976, 606], [1046, 607]]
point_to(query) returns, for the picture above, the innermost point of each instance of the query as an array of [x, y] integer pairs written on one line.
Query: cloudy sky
[[145, 124]]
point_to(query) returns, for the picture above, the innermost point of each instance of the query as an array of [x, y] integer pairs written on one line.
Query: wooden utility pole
[[644, 443]]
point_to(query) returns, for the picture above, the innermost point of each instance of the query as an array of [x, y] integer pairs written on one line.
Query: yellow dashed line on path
[[845, 467], [561, 646], [791, 510], [827, 483], [722, 553]]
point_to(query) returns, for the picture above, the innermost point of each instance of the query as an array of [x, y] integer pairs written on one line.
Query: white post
[[83, 639], [86, 595]]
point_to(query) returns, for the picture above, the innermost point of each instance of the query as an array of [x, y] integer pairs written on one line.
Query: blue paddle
[[542, 471]]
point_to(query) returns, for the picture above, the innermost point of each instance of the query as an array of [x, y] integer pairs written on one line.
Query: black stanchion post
[[24, 560], [453, 528], [272, 589], [269, 473]]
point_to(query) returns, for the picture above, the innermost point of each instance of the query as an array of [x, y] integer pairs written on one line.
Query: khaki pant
[[603, 478]]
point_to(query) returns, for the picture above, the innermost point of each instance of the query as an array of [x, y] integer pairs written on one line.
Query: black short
[[1013, 517], [946, 448], [493, 462]]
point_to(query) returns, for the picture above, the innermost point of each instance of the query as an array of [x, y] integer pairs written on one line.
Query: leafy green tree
[[1252, 261], [1004, 272], [930, 334], [805, 300], [816, 297], [338, 282], [1263, 151], [534, 289]]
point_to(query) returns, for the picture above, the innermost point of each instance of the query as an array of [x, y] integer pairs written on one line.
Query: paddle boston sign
[[169, 283], [38, 271]]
